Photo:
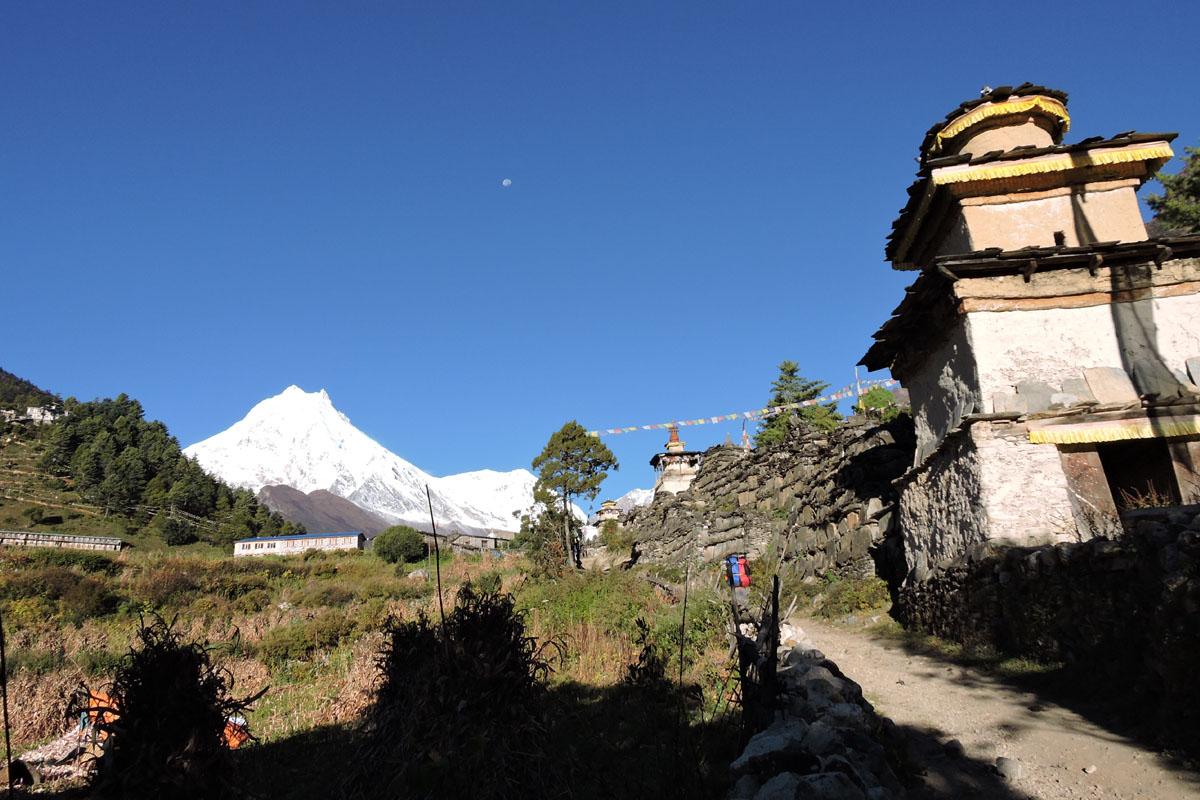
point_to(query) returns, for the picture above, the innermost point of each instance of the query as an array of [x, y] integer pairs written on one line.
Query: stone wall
[[822, 499], [986, 483], [826, 740], [1126, 609], [944, 388]]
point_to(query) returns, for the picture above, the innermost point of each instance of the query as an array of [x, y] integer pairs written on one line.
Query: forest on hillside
[[19, 394], [115, 460]]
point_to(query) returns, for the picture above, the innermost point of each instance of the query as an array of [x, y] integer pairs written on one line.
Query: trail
[[1061, 753]]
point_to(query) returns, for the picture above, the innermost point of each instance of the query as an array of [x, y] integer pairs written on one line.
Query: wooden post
[[438, 559], [4, 697]]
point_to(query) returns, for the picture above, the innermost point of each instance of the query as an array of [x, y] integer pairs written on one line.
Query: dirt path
[[1061, 754]]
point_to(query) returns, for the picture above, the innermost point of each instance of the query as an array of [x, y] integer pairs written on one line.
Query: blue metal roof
[[298, 536]]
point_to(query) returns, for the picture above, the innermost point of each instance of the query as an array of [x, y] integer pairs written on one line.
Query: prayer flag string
[[757, 413]]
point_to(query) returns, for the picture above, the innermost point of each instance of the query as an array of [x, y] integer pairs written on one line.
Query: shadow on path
[[1106, 701]]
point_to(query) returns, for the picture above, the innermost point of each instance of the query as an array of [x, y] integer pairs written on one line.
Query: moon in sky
[[507, 182]]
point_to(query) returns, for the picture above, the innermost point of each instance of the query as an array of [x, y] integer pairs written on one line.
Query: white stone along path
[[960, 721]]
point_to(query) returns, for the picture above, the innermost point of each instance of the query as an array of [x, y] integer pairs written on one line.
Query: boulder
[[745, 788], [782, 787], [827, 786], [774, 745]]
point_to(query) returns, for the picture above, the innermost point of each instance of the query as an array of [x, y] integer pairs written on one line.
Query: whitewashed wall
[[1052, 345]]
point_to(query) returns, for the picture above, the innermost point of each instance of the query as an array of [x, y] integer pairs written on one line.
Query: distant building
[[286, 545], [470, 542], [41, 415], [65, 541], [677, 467], [608, 511]]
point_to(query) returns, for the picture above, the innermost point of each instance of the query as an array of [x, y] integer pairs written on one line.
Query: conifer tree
[[1178, 207], [573, 464], [790, 387]]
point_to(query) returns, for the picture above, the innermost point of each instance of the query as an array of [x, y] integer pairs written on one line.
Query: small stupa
[[677, 467]]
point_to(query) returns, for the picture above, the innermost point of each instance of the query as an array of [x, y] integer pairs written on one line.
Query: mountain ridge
[[320, 510]]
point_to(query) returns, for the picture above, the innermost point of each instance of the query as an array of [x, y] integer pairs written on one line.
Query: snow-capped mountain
[[634, 498], [299, 439]]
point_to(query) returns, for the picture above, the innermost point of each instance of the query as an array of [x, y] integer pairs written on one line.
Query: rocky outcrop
[[822, 499], [1128, 609], [826, 740]]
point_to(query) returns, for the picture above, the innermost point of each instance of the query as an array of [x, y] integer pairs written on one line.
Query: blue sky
[[205, 203]]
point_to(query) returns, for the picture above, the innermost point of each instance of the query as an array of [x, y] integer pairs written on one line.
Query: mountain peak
[[299, 439], [295, 393]]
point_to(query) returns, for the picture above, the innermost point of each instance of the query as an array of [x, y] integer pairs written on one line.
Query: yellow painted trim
[[980, 113], [1117, 430], [1059, 163]]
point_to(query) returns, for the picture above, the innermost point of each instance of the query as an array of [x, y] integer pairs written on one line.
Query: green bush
[[233, 586], [413, 590], [253, 601], [844, 596], [300, 640], [400, 543], [878, 402], [37, 662], [28, 612], [176, 533], [371, 615], [88, 598], [80, 559], [97, 663], [161, 586], [209, 607], [615, 537], [323, 595], [707, 623], [612, 601], [460, 708], [48, 582], [167, 737], [488, 583]]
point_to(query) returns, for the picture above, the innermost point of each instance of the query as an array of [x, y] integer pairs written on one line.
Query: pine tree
[[573, 464], [790, 387], [122, 486], [1178, 207]]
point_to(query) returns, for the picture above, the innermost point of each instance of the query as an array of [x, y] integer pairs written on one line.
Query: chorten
[[677, 467], [608, 511], [1049, 347]]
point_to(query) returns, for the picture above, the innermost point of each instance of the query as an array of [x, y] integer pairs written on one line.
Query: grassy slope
[[308, 627]]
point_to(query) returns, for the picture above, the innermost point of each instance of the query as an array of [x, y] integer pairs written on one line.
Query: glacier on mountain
[[299, 439]]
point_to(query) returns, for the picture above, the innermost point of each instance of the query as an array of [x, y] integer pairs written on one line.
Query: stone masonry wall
[[823, 499], [1127, 608], [826, 739]]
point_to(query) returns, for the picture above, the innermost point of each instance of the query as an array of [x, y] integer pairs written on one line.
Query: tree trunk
[[567, 530]]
